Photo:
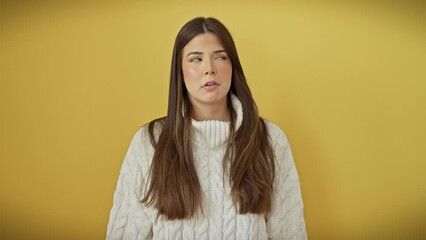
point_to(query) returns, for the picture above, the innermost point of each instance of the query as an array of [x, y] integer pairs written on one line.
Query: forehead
[[203, 42]]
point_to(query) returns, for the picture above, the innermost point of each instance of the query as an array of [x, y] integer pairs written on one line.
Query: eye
[[195, 60], [221, 58]]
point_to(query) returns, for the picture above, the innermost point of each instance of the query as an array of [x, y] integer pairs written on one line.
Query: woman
[[212, 168]]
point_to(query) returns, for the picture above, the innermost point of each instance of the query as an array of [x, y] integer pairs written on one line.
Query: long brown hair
[[174, 188]]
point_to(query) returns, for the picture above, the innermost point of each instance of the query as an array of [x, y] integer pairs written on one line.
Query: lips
[[210, 84]]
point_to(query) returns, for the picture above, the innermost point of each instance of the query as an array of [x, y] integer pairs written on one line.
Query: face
[[207, 70]]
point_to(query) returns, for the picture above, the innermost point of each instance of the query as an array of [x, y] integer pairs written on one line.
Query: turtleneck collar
[[213, 133]]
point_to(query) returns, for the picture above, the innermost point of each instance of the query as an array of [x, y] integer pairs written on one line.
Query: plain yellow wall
[[347, 83]]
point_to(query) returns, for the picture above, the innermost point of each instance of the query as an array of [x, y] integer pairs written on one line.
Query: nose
[[209, 68]]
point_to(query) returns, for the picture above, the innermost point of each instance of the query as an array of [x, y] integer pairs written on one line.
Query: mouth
[[210, 84]]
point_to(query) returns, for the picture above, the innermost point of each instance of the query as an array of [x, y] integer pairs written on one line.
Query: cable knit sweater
[[129, 219]]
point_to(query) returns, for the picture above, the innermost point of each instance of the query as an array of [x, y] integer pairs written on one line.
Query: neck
[[210, 111]]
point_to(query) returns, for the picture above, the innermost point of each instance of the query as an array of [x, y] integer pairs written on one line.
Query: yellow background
[[347, 83]]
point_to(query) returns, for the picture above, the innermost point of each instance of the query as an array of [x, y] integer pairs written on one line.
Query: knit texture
[[129, 219]]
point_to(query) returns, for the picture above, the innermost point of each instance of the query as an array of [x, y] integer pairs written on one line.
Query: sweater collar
[[214, 133]]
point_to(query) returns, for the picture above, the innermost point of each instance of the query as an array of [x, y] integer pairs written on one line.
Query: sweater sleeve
[[129, 219], [286, 219]]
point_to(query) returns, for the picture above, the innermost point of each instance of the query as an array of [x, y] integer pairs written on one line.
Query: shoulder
[[276, 134], [143, 135], [141, 145], [140, 136], [282, 151], [140, 152]]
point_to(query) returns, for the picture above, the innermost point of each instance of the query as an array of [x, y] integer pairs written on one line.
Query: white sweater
[[129, 219]]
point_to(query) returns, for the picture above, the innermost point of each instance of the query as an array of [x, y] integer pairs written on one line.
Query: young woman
[[212, 168]]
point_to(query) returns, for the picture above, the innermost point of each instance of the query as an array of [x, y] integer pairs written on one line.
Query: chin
[[211, 99], [215, 98]]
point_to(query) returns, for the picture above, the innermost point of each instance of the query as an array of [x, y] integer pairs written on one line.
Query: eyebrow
[[198, 52]]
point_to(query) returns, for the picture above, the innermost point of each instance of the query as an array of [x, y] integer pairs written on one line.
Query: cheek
[[189, 73], [226, 71]]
